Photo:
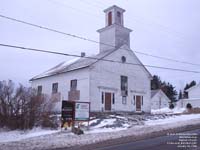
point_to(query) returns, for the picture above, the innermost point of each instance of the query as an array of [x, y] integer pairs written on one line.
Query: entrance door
[[108, 101], [138, 103]]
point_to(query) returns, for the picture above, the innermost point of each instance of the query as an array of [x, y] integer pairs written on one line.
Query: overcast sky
[[167, 28]]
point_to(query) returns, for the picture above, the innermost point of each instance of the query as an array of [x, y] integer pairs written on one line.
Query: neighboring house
[[193, 97], [159, 99], [108, 86]]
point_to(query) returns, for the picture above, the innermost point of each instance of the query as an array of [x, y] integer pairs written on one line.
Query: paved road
[[158, 143]]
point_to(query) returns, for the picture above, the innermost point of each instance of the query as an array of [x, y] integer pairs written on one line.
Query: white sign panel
[[82, 111]]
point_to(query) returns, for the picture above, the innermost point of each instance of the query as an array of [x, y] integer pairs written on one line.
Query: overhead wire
[[102, 59], [93, 41]]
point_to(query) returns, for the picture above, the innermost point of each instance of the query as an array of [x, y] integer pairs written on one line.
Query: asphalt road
[[158, 143]]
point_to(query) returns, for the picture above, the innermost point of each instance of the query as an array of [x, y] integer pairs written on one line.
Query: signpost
[[73, 112], [82, 111], [67, 110]]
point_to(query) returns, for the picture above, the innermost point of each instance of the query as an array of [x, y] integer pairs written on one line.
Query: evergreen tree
[[180, 96], [156, 83]]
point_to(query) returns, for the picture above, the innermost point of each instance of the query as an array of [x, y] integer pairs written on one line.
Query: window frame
[[39, 90], [54, 87], [102, 97], [73, 87], [124, 100], [119, 17], [124, 85], [123, 59], [113, 98], [110, 18]]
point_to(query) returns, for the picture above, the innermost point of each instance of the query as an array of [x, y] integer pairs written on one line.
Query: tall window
[[73, 85], [55, 88], [113, 98], [142, 99], [110, 18], [124, 85], [119, 17], [102, 97], [39, 90], [124, 99]]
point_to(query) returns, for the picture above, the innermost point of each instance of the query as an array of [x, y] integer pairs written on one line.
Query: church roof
[[80, 63], [74, 64]]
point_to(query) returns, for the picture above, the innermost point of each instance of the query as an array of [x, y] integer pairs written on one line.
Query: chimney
[[82, 54]]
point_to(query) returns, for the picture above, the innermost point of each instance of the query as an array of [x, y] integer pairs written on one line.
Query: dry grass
[[193, 111]]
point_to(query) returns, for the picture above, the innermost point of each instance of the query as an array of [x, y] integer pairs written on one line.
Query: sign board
[[67, 110], [82, 111]]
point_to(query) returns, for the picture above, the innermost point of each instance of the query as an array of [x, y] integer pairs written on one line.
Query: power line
[[93, 41], [113, 61]]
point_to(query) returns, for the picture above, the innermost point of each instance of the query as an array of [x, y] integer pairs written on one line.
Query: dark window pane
[[102, 97], [39, 90], [55, 88], [123, 59], [109, 18], [142, 100], [118, 14], [73, 85], [113, 98], [119, 17], [124, 85]]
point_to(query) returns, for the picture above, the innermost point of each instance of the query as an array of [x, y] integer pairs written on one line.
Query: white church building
[[122, 85]]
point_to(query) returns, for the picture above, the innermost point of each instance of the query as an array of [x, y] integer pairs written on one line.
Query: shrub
[[171, 106], [22, 108], [189, 106]]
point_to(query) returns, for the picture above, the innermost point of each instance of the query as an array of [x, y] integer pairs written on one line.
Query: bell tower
[[114, 34]]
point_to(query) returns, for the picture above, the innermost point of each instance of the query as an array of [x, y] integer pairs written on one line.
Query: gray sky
[[168, 28]]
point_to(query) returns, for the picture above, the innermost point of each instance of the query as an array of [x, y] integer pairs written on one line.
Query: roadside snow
[[107, 125], [173, 119], [63, 139], [166, 110], [17, 135]]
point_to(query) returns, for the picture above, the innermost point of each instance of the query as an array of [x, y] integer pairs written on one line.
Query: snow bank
[[172, 119], [17, 135], [166, 110], [103, 126], [63, 139]]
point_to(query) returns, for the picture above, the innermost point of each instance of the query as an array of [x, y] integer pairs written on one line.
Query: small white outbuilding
[[159, 99], [193, 97]]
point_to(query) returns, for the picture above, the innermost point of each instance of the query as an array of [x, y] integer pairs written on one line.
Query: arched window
[[123, 59], [110, 18]]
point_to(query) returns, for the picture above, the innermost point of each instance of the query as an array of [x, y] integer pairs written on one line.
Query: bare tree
[[22, 108]]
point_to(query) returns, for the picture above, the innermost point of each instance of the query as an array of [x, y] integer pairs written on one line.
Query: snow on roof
[[80, 63], [73, 64]]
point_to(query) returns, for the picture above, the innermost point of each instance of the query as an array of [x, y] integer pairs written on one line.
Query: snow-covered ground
[[167, 110], [173, 119], [17, 135], [101, 129]]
